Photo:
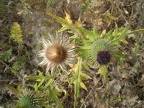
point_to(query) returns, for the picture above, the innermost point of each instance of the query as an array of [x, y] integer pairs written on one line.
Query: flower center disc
[[56, 53]]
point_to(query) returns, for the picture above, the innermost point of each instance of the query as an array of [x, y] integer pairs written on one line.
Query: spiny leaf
[[68, 19], [57, 18], [119, 34], [124, 41], [66, 24], [82, 85], [54, 95], [36, 78], [16, 32], [92, 35], [77, 80], [85, 66], [45, 83], [103, 33], [135, 31]]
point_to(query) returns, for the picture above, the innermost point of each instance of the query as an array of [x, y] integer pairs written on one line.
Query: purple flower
[[103, 57]]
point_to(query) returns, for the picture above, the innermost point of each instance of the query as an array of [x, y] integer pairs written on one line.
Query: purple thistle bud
[[103, 57]]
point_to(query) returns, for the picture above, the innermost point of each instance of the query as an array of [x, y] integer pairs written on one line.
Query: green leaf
[[119, 54], [119, 34], [54, 95], [16, 32], [85, 66], [104, 69], [58, 19], [76, 79], [66, 24], [18, 63], [49, 2], [82, 85], [6, 55], [84, 76], [45, 84], [135, 31], [64, 27], [38, 78], [92, 35], [16, 91]]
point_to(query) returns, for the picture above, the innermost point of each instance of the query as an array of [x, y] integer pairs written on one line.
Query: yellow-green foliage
[[16, 32], [67, 24], [45, 85], [77, 80]]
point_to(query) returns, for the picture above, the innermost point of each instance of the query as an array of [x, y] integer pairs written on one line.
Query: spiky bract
[[28, 101], [101, 51]]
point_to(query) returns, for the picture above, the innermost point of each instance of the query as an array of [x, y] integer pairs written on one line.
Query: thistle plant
[[102, 48], [101, 51], [28, 100], [47, 89]]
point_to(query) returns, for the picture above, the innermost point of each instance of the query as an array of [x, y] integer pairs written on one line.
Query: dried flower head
[[57, 53]]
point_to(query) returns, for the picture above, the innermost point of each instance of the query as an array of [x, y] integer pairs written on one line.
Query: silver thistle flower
[[57, 53]]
